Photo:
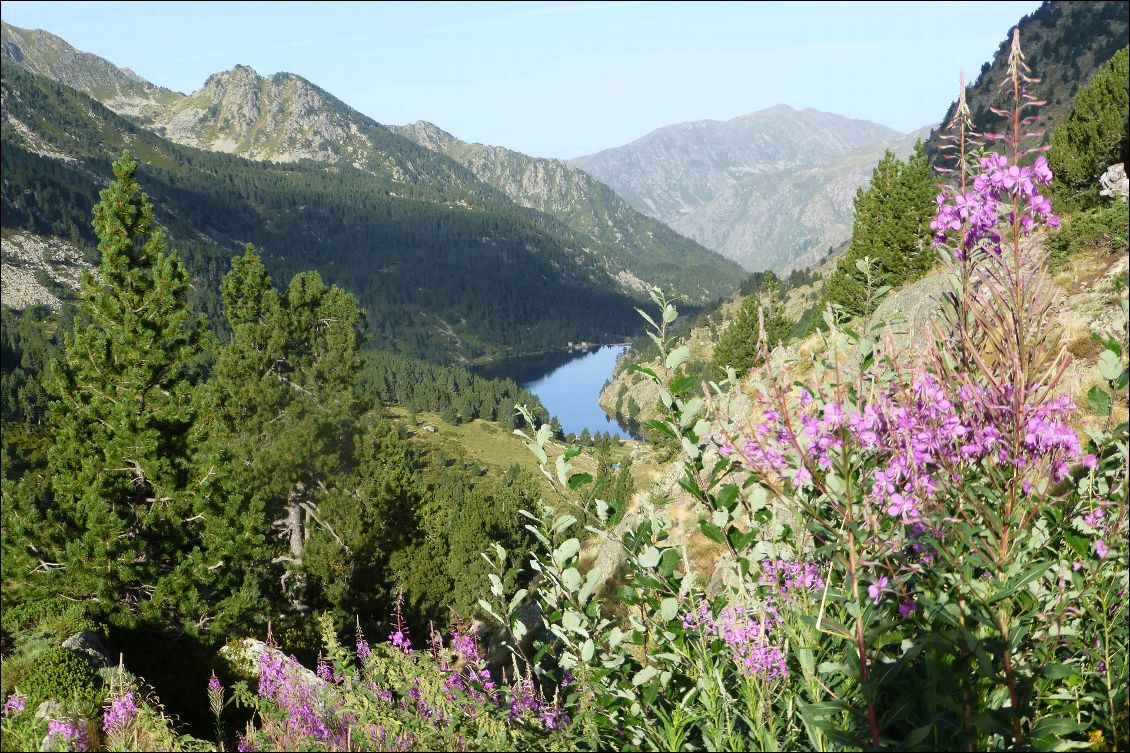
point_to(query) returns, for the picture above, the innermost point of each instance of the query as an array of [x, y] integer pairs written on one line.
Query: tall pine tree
[[891, 228], [119, 519], [1095, 136], [740, 343]]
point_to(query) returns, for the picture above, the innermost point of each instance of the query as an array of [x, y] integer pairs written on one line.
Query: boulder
[[1115, 184], [89, 646]]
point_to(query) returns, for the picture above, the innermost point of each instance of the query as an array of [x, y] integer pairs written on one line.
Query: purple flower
[[363, 650], [121, 712], [1101, 549], [399, 639], [904, 507], [214, 684], [68, 733], [876, 589], [15, 703]]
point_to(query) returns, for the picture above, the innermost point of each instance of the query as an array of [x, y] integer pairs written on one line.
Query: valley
[[789, 430]]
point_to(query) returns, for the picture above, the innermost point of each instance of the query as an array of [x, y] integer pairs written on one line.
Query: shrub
[[61, 676], [1106, 229], [1095, 135]]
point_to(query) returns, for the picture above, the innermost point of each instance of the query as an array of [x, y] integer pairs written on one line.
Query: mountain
[[285, 119], [1064, 43], [790, 219], [678, 168], [693, 177], [120, 89], [645, 246], [446, 272]]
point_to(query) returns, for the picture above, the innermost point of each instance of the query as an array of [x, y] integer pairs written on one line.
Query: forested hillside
[[439, 272]]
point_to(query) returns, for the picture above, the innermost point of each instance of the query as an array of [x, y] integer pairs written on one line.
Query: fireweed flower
[[876, 589], [15, 704], [70, 734], [121, 712], [750, 637]]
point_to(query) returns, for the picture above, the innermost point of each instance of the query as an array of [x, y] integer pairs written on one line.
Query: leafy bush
[[920, 555], [1104, 229], [56, 618]]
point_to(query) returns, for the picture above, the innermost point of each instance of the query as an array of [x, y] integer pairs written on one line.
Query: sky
[[561, 78]]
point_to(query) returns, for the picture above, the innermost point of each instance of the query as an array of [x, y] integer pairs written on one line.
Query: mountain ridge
[[284, 118]]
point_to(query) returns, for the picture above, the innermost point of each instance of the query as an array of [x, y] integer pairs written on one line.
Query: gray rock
[[90, 647], [247, 655], [1115, 184], [48, 710]]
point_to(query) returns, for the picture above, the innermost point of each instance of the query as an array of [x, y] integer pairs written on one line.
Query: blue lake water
[[569, 385]]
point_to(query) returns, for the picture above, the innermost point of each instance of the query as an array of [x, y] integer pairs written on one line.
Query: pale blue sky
[[565, 78]]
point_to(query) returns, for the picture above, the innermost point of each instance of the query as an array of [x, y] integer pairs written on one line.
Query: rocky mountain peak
[[47, 55]]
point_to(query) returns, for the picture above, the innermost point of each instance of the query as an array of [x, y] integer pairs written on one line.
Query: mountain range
[[448, 265], [765, 189]]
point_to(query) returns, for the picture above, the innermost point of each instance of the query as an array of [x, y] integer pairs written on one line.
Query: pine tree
[[120, 521], [891, 228], [283, 415], [1095, 135], [740, 344]]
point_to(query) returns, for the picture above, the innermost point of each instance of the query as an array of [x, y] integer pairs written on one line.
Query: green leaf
[[728, 497], [571, 620], [649, 558], [1018, 582], [741, 540], [1099, 401], [538, 452], [644, 675], [1109, 366], [668, 562], [711, 531], [587, 650], [571, 578], [565, 552], [577, 480], [647, 318], [668, 608], [690, 410], [678, 357], [644, 370]]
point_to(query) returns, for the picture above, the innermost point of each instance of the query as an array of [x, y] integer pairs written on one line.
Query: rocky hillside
[[38, 271], [436, 267], [790, 219], [120, 89], [765, 189], [648, 247], [1064, 43]]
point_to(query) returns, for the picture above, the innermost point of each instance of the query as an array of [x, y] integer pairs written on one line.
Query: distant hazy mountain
[[789, 219], [645, 246], [680, 171]]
